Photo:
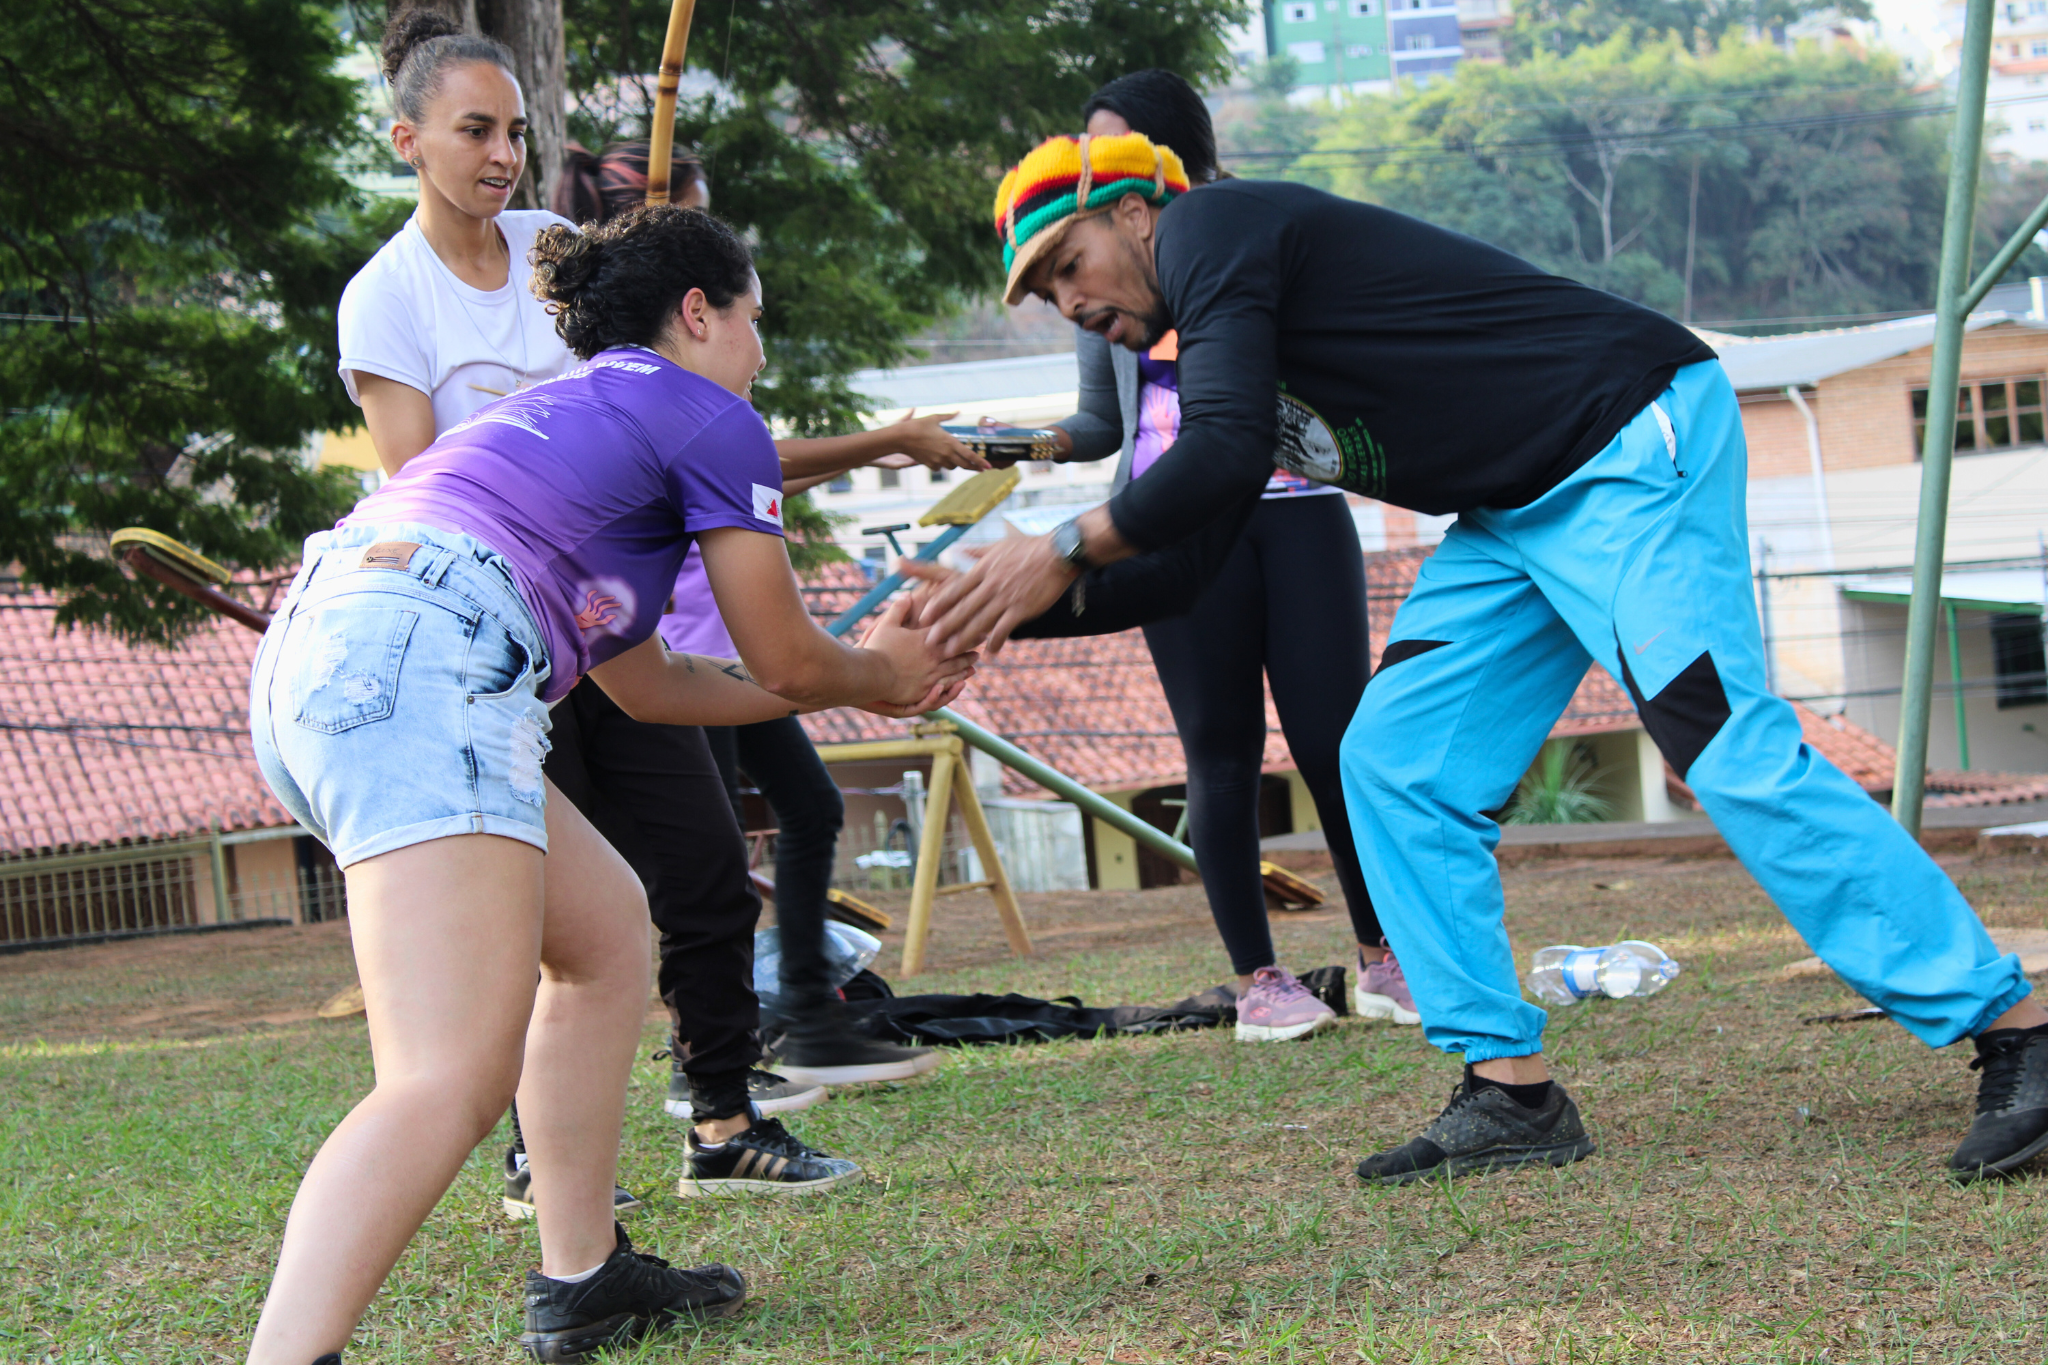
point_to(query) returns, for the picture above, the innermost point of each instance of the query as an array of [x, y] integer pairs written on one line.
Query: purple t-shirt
[[592, 484], [1159, 427], [693, 625]]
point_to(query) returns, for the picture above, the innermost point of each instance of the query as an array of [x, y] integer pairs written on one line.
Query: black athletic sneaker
[[822, 1048], [770, 1093], [1484, 1130], [329, 1359], [766, 1159], [630, 1296], [519, 1193], [2011, 1127]]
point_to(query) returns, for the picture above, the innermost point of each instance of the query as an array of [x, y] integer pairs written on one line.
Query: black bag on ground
[[960, 1019]]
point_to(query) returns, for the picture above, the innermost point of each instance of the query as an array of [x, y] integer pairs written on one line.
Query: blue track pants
[[1639, 560]]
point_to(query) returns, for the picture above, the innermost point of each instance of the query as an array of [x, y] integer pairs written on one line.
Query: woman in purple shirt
[[399, 710]]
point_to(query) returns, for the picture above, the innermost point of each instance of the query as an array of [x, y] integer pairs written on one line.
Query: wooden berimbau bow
[[661, 136]]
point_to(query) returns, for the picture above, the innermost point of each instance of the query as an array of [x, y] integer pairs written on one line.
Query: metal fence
[[160, 887]]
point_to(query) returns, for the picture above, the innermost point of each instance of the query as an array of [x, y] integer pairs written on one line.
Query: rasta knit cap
[[1064, 178]]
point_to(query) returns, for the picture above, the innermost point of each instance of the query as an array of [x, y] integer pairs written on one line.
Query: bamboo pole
[[1937, 458], [661, 136]]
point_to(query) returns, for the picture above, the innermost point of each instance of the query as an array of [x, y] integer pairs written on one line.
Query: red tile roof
[[1093, 708], [103, 743]]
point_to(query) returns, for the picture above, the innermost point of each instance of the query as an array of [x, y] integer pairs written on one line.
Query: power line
[[1548, 143]]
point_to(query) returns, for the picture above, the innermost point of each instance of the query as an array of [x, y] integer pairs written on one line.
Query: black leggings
[[785, 767], [1288, 603], [653, 792]]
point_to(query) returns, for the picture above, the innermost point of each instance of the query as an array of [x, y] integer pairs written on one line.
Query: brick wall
[[1866, 417], [1777, 436]]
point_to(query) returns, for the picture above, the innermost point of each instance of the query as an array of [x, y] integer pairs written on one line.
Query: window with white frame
[[1358, 49], [1364, 9], [2037, 49], [1299, 13]]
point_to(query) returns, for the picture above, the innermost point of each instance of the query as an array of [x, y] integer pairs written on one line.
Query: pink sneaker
[[1278, 1008], [1382, 992]]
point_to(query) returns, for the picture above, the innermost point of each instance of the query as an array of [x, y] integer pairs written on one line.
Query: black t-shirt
[[1374, 351]]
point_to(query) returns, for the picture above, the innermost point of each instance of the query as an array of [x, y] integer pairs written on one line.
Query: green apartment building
[[1335, 42]]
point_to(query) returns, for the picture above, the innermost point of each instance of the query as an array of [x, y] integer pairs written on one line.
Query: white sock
[[579, 1277], [519, 1161]]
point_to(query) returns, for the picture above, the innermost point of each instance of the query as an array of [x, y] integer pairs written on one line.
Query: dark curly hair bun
[[419, 46], [619, 283], [407, 31]]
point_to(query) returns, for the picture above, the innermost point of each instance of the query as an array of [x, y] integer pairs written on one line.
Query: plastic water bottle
[[1567, 973], [847, 951]]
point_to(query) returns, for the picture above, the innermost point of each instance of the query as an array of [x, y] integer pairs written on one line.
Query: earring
[[415, 163]]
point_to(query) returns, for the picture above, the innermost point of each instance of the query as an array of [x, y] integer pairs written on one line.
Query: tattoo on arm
[[737, 670]]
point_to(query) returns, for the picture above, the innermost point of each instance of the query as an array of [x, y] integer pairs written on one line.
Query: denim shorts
[[396, 695]]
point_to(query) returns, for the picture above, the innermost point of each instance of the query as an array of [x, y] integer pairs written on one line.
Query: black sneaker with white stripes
[[766, 1159], [519, 1190]]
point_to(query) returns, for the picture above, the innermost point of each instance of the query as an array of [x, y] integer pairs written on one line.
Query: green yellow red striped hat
[[1065, 177]]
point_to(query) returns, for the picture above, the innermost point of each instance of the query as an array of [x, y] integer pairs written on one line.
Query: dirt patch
[[174, 985]]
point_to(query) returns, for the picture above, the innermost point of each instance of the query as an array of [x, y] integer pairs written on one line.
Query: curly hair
[[619, 282], [419, 46]]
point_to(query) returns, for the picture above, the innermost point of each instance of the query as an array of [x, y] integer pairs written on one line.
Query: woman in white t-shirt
[[440, 321]]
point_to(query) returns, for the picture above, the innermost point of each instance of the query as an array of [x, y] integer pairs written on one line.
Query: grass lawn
[[1765, 1191]]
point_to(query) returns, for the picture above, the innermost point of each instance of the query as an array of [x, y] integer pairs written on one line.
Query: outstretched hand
[[925, 677], [1013, 581], [925, 441]]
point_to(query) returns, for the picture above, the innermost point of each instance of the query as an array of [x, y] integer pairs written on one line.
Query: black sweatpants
[[1288, 604], [784, 766], [656, 796]]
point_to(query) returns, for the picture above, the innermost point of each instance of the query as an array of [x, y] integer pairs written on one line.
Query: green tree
[[1560, 26], [174, 246], [1746, 182], [1256, 133], [858, 143]]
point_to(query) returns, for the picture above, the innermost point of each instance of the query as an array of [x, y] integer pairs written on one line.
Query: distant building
[[1337, 45], [1365, 46], [1834, 421], [2018, 87]]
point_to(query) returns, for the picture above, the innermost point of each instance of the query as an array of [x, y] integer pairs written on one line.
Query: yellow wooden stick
[[976, 821], [661, 134], [924, 887]]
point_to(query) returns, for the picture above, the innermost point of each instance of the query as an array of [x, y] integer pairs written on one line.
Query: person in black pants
[[1285, 601], [778, 757], [657, 797], [816, 1047]]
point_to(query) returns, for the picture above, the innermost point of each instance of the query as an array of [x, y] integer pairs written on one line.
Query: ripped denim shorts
[[396, 695]]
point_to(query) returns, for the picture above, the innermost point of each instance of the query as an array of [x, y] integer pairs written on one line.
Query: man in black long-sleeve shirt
[[1593, 451]]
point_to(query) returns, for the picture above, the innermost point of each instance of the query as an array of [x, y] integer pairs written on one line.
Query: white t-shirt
[[405, 316]]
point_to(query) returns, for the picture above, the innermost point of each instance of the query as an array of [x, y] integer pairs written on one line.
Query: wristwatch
[[1071, 547]]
